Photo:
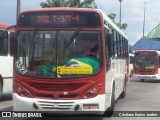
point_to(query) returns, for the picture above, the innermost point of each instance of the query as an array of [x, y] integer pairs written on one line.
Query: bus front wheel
[[123, 94], [142, 80]]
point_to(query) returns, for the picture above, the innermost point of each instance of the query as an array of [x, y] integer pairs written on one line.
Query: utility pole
[[120, 1], [144, 17], [18, 8]]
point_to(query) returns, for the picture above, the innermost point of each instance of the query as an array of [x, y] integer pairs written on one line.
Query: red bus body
[[146, 64], [33, 92]]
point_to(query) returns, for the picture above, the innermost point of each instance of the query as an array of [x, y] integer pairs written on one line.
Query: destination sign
[[56, 19], [59, 19]]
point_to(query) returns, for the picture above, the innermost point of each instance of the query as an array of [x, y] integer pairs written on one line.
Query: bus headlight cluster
[[21, 91], [93, 91], [19, 88]]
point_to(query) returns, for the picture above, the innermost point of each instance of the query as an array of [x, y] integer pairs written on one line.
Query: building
[[149, 42]]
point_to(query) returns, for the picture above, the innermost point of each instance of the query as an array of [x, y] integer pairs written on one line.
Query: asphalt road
[[141, 96]]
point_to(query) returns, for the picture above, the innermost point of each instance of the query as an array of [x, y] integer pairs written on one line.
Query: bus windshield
[[58, 54], [146, 60]]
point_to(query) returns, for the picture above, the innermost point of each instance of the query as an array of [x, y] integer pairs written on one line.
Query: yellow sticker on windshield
[[74, 70], [149, 67]]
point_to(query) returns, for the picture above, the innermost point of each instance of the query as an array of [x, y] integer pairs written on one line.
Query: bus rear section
[[60, 62], [6, 59], [146, 65]]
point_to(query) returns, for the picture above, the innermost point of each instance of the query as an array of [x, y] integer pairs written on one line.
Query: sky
[[132, 13]]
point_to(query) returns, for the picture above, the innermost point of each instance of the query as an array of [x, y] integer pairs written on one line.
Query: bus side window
[[12, 40], [112, 44], [3, 44], [108, 49]]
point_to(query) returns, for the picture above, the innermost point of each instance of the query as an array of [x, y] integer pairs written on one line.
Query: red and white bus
[[146, 65], [6, 59], [69, 59]]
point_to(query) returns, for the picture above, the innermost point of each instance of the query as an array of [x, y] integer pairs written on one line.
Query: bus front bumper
[[94, 105], [147, 77]]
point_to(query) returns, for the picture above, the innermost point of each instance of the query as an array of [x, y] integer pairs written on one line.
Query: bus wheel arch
[[113, 97], [123, 94], [110, 110]]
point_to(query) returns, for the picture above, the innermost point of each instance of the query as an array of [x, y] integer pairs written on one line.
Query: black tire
[[113, 99], [110, 110], [123, 94], [142, 80]]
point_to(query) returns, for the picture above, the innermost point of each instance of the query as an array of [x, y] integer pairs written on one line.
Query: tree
[[122, 26], [53, 3], [88, 4], [112, 16], [130, 49], [69, 3]]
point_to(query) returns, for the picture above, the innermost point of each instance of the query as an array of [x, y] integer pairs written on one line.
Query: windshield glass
[[62, 54], [146, 60]]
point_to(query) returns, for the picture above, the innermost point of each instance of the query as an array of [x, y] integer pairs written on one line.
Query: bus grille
[[144, 72], [49, 90], [42, 96], [56, 87], [56, 105]]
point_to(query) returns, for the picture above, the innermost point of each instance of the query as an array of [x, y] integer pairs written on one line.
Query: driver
[[91, 46]]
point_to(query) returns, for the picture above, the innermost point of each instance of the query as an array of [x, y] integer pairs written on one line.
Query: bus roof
[[105, 17], [131, 55], [113, 25], [157, 51], [60, 9]]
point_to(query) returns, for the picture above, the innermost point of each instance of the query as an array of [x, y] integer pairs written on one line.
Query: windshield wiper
[[64, 50], [75, 34]]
